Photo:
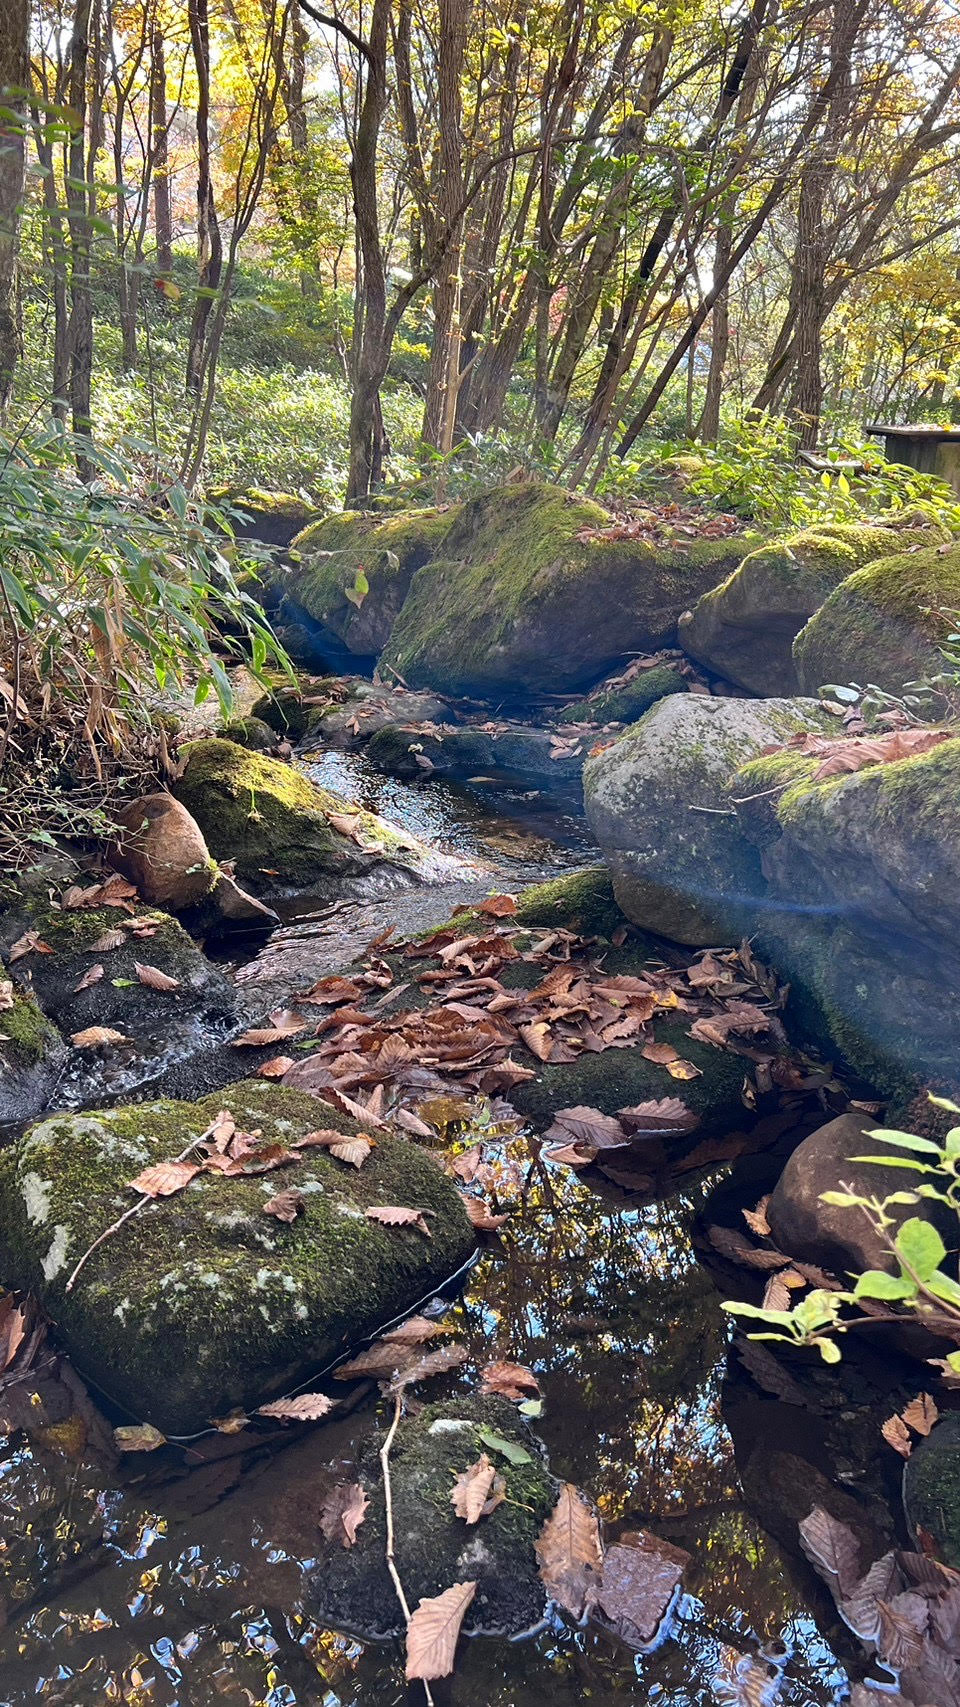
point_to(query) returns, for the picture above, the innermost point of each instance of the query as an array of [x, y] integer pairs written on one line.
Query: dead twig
[[388, 1508]]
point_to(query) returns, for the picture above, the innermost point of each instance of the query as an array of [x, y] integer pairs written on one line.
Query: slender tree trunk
[[439, 409], [366, 425], [719, 341], [14, 73], [162, 206], [209, 241], [79, 222]]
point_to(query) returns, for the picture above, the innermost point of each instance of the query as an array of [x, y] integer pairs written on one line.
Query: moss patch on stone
[[28, 1031], [202, 1302], [252, 732], [581, 901], [625, 704], [388, 548], [434, 1547], [521, 599], [883, 625]]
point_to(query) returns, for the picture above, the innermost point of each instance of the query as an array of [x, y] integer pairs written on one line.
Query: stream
[[191, 1586]]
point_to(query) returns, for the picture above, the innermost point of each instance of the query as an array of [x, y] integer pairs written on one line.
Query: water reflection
[[605, 1301]]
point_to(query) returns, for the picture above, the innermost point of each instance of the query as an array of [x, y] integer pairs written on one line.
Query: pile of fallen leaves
[[658, 524], [842, 755]]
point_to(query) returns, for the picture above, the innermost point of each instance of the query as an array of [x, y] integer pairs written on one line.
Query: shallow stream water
[[189, 1585]]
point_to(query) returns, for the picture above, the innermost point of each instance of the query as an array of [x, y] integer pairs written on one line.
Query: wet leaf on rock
[[897, 1435], [433, 1632], [154, 978], [636, 1587], [261, 1037], [164, 1179], [342, 1513], [138, 1437], [660, 1053], [684, 1070], [396, 1215], [472, 1489], [276, 1068], [498, 906], [286, 1206], [586, 1126], [305, 1407], [756, 1219], [920, 1414], [570, 1553], [431, 1363], [832, 1548], [510, 1380], [95, 1036], [108, 941], [89, 979], [30, 943]]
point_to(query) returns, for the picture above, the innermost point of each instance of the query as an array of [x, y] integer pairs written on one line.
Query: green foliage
[[752, 470], [921, 1283]]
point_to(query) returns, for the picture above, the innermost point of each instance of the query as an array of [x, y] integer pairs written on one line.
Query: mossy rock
[[434, 1548], [119, 999], [581, 901], [201, 1303], [521, 600], [745, 628], [885, 625], [624, 704], [32, 1057], [657, 800], [284, 711], [931, 1490], [261, 513], [389, 549], [274, 822], [251, 732]]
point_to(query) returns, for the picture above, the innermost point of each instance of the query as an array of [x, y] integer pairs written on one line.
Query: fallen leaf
[[586, 1126], [498, 906], [920, 1414], [897, 1436], [660, 1053], [165, 1179], [138, 1437], [636, 1587], [233, 1423], [29, 943], [480, 1215], [108, 941], [306, 1407], [392, 1215], [431, 1363], [261, 1037], [737, 1249], [286, 1206], [276, 1068], [537, 1039], [154, 978], [471, 1489], [89, 978], [667, 1117], [832, 1547], [414, 1331], [342, 1513], [684, 1070], [13, 1328], [756, 1219], [510, 1380], [94, 1035], [569, 1552], [508, 1449], [433, 1632]]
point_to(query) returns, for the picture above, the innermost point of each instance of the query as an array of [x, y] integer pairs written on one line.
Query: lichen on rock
[[225, 1306]]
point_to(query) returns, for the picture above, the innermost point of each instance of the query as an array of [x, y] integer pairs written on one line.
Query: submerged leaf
[[306, 1407], [570, 1553], [433, 1632], [342, 1513]]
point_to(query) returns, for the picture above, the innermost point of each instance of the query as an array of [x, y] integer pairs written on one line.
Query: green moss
[[932, 1482], [270, 817], [761, 787], [252, 732], [625, 704], [581, 901], [285, 712], [29, 1030], [389, 549], [883, 625], [517, 564], [202, 1302]]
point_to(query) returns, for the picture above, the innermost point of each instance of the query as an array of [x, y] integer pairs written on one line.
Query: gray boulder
[[658, 803]]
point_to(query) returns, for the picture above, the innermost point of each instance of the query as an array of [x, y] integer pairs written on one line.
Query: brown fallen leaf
[[636, 1587], [737, 1249], [431, 1363], [570, 1553], [537, 1039], [667, 1116], [660, 1053], [89, 978], [13, 1328], [108, 941], [394, 1215], [94, 1036], [342, 1513], [416, 1330], [510, 1380], [276, 1068], [306, 1407], [586, 1126], [684, 1070], [30, 943], [897, 1435], [832, 1548], [154, 978], [498, 906], [233, 1423], [920, 1414], [756, 1219], [138, 1437], [471, 1490], [480, 1215], [572, 1155], [346, 1148], [286, 1206], [261, 1037], [433, 1632], [164, 1179]]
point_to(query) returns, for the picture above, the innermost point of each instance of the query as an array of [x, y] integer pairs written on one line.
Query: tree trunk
[[440, 405], [14, 73], [162, 208], [719, 341], [78, 220], [370, 313], [209, 241]]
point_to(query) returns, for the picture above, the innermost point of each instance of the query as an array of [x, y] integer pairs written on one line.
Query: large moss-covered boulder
[[525, 596], [434, 1547], [389, 549], [885, 624], [275, 824], [262, 513], [202, 1302], [657, 801], [931, 1491], [745, 628]]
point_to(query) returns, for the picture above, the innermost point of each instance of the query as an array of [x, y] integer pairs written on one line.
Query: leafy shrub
[[921, 1285]]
